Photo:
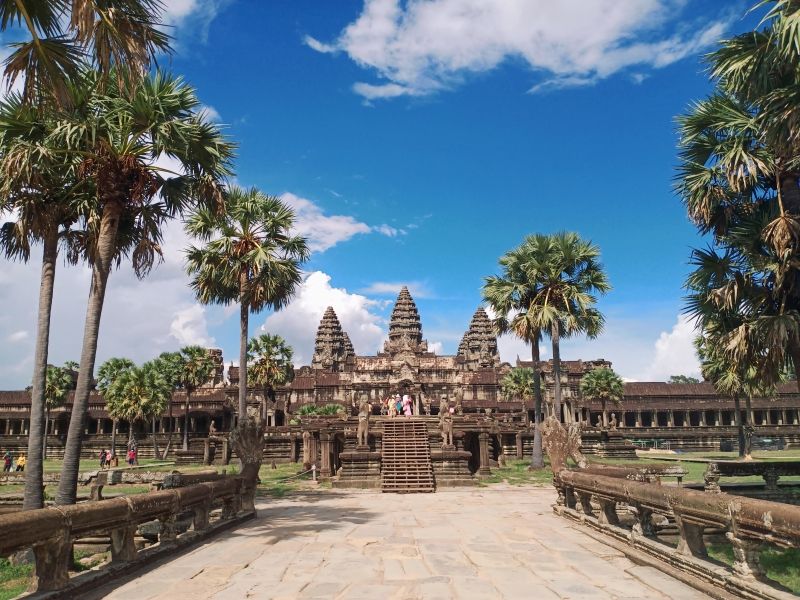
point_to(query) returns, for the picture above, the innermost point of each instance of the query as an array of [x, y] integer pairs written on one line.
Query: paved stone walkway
[[481, 543]]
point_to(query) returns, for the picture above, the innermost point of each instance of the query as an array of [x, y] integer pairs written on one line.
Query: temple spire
[[479, 344], [405, 326], [330, 347]]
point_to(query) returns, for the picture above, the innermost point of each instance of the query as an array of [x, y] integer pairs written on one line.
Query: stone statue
[[561, 444], [364, 412], [446, 423], [306, 450], [459, 394], [612, 424]]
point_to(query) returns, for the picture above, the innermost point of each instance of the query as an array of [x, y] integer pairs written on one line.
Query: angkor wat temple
[[684, 415]]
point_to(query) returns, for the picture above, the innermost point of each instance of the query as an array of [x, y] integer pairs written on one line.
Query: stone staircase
[[406, 457]]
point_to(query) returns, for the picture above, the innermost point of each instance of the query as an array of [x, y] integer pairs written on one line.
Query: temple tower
[[479, 344], [331, 345], [405, 329]]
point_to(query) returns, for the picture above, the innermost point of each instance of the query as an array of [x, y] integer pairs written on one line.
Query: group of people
[[108, 459], [399, 405], [8, 462]]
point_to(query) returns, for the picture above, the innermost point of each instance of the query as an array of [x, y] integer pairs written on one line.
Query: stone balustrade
[[746, 523], [770, 471], [50, 532]]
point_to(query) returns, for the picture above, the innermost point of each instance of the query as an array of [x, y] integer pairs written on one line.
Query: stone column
[[520, 447], [638, 418], [703, 418], [670, 418], [687, 419], [484, 468], [782, 420], [325, 449], [8, 427], [795, 413], [718, 418]]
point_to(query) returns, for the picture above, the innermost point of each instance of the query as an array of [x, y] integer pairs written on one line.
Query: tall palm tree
[[139, 394], [171, 366], [250, 257], [124, 35], [38, 186], [567, 275], [119, 139], [197, 367], [58, 385], [518, 383], [510, 296], [107, 374], [269, 360], [605, 385]]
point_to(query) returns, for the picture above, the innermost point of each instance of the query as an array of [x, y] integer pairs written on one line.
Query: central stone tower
[[405, 329]]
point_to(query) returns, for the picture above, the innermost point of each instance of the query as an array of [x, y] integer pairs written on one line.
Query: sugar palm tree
[[171, 366], [250, 257], [518, 383], [567, 275], [107, 374], [58, 385], [605, 385], [61, 36], [119, 139], [197, 367], [269, 360], [510, 296], [139, 394]]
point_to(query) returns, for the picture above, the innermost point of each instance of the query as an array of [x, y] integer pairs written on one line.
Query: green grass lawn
[[517, 472], [782, 564], [13, 579], [281, 480]]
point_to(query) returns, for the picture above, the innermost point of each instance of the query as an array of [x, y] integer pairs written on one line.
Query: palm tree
[[269, 364], [58, 385], [124, 35], [510, 296], [250, 257], [107, 374], [566, 273], [518, 383], [119, 139], [605, 385], [139, 394], [197, 367], [171, 366]]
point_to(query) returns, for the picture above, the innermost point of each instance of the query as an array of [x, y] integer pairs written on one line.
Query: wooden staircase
[[406, 457]]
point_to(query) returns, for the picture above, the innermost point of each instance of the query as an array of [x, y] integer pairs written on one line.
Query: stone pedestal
[[451, 467], [361, 468], [608, 443]]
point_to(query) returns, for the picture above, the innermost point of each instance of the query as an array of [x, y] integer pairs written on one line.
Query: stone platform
[[499, 542]]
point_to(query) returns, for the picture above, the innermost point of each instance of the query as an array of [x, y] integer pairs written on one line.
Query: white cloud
[[420, 47], [324, 231], [211, 113], [436, 347], [193, 16], [391, 288], [298, 322], [189, 327], [17, 336], [675, 353]]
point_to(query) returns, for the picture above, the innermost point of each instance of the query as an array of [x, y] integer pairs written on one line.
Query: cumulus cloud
[[420, 47], [211, 113], [192, 16], [324, 231], [189, 327], [298, 322], [675, 353]]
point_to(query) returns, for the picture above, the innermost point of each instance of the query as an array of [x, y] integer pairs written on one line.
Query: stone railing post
[[484, 469], [585, 500], [96, 491], [608, 511], [711, 478], [325, 454], [123, 548], [200, 518], [747, 563], [643, 525], [520, 447], [771, 478], [52, 561], [169, 532], [691, 541]]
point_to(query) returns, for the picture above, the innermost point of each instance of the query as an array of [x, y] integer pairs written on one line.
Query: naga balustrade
[[771, 472], [747, 524], [648, 473], [50, 532]]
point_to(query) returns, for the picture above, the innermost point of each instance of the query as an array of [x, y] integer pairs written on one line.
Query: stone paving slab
[[503, 542]]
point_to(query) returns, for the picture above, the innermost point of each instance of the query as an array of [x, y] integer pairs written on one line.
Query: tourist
[[398, 404], [407, 405], [103, 458], [131, 457], [7, 460], [21, 463]]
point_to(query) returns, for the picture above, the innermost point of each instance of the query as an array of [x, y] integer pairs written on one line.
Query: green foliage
[[781, 564], [13, 579], [110, 371], [603, 384], [139, 393], [324, 410], [518, 383], [58, 384], [269, 360], [683, 379]]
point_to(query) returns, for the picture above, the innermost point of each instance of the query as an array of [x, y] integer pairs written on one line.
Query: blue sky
[[419, 141]]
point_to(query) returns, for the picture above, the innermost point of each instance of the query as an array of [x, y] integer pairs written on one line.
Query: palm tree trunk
[[243, 333], [790, 194], [113, 437], [169, 431], [106, 242], [555, 336], [737, 406], [155, 440], [749, 428], [44, 436], [794, 350], [186, 419], [537, 458], [34, 488]]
